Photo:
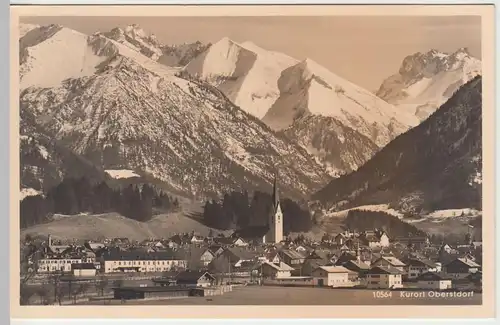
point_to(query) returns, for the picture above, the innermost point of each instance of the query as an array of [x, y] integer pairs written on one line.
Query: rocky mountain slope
[[339, 123], [426, 80], [45, 163], [280, 90], [120, 110], [434, 166], [337, 147], [137, 39]]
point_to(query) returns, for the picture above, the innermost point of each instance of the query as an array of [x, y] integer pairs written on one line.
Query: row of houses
[[235, 256]]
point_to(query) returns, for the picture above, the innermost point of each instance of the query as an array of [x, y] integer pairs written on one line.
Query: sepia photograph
[[292, 160]]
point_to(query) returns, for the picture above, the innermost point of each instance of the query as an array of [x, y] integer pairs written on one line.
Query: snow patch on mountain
[[43, 151], [25, 192], [450, 213], [121, 173], [376, 207]]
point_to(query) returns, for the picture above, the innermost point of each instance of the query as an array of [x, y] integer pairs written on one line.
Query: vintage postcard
[[244, 161]]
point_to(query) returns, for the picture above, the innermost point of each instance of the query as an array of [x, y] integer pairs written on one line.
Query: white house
[[332, 276], [380, 277], [240, 242], [197, 239], [48, 265], [301, 249], [375, 239], [206, 257], [271, 270], [159, 244], [434, 281], [418, 266], [389, 261], [271, 258], [83, 269], [131, 261]]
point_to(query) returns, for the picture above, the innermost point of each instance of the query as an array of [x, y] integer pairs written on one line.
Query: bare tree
[[83, 288], [29, 258], [57, 290], [102, 284], [45, 293]]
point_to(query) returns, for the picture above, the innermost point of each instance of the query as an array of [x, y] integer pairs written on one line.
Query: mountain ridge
[[415, 174], [133, 113]]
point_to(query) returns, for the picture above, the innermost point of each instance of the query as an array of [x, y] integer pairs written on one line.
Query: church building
[[275, 221]]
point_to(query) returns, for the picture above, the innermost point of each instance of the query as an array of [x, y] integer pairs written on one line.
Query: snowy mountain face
[[434, 166], [281, 90], [426, 80], [137, 39], [121, 110], [309, 89], [339, 123], [245, 73]]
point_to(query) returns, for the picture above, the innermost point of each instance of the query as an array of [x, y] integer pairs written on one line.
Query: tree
[[83, 288], [84, 193], [44, 292], [146, 203], [33, 210], [64, 198], [102, 200]]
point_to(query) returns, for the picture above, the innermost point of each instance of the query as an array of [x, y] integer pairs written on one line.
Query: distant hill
[[113, 225]]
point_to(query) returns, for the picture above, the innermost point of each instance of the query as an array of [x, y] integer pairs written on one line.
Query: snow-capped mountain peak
[[52, 54], [130, 113], [426, 80], [307, 88], [244, 72], [136, 31], [137, 39]]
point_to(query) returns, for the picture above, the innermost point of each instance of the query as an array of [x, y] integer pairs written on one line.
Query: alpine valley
[[203, 120], [432, 173]]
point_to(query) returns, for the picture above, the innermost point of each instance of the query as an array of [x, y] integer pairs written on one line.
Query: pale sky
[[362, 49]]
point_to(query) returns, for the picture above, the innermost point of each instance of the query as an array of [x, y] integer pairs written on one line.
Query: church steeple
[[275, 221], [276, 198]]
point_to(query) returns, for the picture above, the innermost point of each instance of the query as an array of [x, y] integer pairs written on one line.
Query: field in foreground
[[256, 295]]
